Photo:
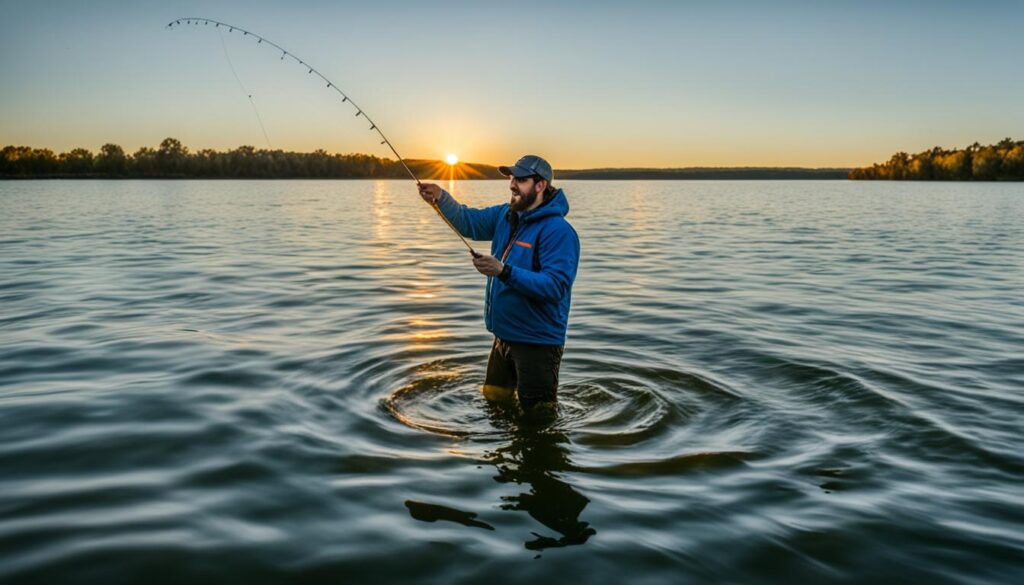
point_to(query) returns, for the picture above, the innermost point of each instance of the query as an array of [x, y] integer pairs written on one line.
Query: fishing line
[[330, 85], [244, 89]]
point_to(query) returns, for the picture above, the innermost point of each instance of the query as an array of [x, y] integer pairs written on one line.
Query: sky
[[584, 84]]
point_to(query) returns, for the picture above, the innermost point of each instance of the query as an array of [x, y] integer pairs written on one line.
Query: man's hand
[[488, 265], [430, 192]]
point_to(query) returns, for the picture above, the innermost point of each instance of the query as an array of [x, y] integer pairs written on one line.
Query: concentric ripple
[[616, 410], [442, 400]]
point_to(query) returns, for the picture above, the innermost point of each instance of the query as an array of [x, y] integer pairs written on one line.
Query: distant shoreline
[[666, 176], [706, 174], [173, 160], [1003, 161]]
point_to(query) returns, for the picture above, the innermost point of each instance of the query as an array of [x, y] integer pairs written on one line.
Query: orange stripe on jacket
[[524, 244]]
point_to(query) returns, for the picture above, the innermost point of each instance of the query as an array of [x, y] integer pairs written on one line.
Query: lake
[[764, 381]]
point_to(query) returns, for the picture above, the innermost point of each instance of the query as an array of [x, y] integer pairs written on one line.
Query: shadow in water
[[536, 456], [433, 512]]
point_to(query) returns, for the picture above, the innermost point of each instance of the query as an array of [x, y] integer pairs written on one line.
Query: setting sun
[[451, 159]]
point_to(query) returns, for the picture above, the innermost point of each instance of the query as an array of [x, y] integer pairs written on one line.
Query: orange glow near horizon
[[444, 169]]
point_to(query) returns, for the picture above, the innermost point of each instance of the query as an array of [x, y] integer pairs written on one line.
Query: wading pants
[[532, 370]]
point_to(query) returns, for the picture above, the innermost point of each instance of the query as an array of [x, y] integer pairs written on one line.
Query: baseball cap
[[530, 164]]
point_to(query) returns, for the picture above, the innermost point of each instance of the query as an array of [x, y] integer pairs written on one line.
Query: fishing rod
[[330, 84]]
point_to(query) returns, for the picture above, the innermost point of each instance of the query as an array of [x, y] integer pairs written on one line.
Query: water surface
[[763, 382]]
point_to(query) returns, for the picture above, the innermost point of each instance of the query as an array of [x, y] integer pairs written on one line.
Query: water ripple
[[280, 381]]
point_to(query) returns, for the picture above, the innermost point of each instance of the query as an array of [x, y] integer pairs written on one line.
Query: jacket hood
[[557, 205]]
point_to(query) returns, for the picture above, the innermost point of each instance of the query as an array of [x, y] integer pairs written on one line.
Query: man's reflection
[[535, 456]]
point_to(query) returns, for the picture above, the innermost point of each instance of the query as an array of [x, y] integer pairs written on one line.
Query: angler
[[529, 288], [530, 271]]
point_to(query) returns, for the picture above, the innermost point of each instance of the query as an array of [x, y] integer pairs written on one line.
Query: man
[[530, 271]]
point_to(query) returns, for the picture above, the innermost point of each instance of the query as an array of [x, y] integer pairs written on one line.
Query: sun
[[451, 159]]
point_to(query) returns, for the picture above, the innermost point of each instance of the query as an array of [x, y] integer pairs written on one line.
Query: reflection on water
[[534, 458], [534, 454], [428, 512]]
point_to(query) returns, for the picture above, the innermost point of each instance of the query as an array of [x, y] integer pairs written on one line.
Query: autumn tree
[[998, 162]]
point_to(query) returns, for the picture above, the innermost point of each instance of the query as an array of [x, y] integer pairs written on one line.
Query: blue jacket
[[532, 305]]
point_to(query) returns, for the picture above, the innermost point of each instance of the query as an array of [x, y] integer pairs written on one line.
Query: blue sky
[[587, 84]]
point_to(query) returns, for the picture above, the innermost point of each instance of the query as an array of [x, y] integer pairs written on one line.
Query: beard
[[524, 200]]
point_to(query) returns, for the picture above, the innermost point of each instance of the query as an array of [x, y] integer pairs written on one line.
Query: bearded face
[[524, 194]]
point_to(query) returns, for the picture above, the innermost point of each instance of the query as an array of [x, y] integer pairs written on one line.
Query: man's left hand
[[488, 265]]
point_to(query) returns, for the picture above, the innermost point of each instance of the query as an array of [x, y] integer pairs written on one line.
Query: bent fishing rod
[[330, 84]]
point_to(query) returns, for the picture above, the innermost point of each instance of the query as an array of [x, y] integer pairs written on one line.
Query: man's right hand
[[430, 192]]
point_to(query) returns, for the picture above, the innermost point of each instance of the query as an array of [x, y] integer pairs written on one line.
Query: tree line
[[1003, 161], [171, 159], [705, 174]]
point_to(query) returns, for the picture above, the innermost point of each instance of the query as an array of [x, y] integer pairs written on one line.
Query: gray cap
[[530, 164]]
